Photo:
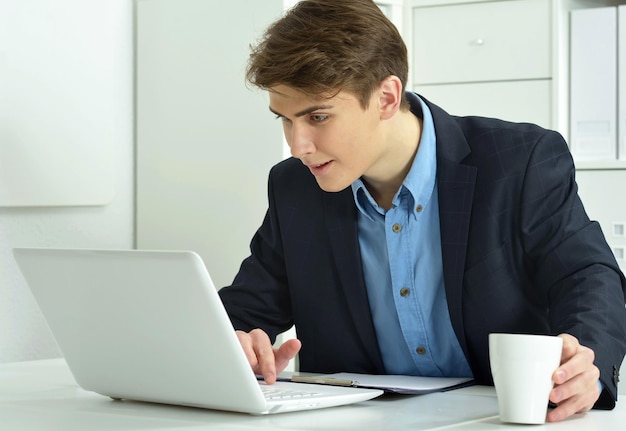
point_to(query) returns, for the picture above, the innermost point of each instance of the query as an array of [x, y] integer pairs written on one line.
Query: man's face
[[334, 137]]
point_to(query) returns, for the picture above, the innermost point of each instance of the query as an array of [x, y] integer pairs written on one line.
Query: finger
[[246, 344], [285, 353], [264, 353], [582, 383], [574, 364], [579, 403]]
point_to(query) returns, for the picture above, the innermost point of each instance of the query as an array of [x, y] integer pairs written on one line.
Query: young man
[[398, 237]]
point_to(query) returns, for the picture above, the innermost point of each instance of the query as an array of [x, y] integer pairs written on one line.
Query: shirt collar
[[420, 181]]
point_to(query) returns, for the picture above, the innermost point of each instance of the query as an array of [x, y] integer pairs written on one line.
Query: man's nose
[[300, 142]]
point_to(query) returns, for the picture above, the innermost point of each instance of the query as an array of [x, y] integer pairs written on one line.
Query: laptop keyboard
[[273, 393]]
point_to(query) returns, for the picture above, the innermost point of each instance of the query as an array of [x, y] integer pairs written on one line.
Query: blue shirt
[[404, 278]]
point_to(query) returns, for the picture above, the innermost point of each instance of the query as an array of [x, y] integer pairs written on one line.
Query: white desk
[[42, 395]]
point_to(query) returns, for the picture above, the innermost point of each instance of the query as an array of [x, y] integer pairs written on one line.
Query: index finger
[[263, 352]]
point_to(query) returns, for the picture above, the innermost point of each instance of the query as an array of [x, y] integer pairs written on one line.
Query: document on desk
[[415, 385]]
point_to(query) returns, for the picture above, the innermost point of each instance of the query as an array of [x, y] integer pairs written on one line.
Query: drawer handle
[[477, 42]]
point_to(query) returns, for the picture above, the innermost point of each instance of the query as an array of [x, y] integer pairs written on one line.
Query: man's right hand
[[264, 359]]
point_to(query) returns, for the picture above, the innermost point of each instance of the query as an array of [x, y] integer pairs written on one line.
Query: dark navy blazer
[[519, 255]]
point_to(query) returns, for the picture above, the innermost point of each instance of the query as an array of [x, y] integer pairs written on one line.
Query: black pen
[[324, 381]]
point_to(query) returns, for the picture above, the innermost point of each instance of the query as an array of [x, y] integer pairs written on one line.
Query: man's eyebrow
[[304, 111]]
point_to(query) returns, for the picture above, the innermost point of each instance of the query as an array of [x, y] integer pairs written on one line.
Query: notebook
[[149, 326]]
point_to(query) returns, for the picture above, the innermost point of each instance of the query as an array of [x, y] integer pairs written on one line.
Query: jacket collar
[[456, 182]]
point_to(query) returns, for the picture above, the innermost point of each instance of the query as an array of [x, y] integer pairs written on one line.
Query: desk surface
[[42, 395]]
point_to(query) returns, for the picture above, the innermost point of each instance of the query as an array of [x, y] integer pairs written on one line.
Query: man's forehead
[[285, 91], [284, 94]]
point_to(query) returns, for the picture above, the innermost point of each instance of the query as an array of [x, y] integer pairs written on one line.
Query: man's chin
[[331, 187]]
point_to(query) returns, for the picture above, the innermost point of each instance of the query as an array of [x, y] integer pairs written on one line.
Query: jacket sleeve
[[573, 260], [259, 296]]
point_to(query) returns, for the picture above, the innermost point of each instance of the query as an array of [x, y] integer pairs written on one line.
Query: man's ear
[[390, 96]]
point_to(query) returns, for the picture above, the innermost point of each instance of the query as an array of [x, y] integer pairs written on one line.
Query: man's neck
[[385, 180]]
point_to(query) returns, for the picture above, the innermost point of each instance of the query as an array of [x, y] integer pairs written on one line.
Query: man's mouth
[[320, 168], [321, 164]]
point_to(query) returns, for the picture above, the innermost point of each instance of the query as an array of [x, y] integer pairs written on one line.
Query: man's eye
[[318, 118]]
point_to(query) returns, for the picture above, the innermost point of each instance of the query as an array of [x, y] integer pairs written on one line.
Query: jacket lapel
[[343, 235], [456, 184]]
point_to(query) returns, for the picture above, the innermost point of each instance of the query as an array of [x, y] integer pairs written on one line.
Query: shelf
[[600, 165]]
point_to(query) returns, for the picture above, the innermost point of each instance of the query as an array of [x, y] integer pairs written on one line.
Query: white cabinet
[[621, 70], [500, 99], [485, 58], [593, 89], [598, 84], [478, 42], [506, 58]]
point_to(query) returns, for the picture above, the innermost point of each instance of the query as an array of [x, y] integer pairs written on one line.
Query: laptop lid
[[149, 326]]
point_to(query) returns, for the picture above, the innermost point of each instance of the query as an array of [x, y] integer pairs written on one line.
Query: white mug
[[522, 366]]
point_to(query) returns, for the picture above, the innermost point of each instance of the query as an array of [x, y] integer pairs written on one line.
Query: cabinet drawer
[[493, 41], [520, 101]]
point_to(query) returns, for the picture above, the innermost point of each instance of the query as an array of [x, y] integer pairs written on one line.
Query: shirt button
[[404, 292], [419, 208], [421, 350], [396, 228]]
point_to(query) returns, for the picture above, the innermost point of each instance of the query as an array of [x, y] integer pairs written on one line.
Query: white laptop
[[149, 326]]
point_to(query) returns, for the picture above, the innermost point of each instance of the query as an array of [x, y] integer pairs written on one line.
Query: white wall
[[32, 31], [205, 141]]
